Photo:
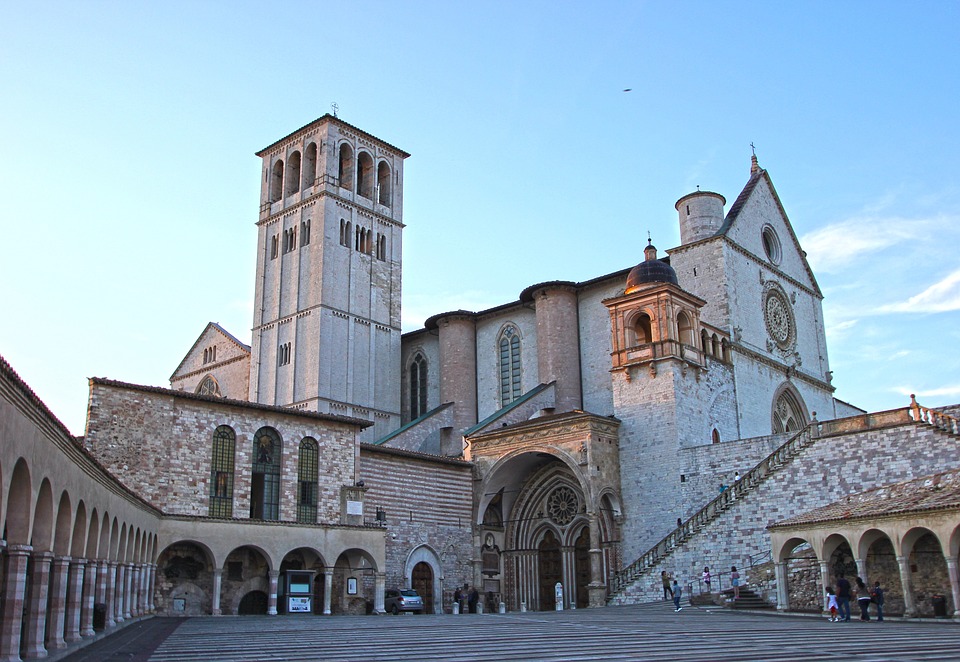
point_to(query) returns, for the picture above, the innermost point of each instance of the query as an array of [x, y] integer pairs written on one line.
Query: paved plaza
[[645, 632]]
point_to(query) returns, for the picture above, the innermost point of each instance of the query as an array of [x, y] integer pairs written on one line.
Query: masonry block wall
[[826, 471], [427, 505], [159, 443], [489, 330]]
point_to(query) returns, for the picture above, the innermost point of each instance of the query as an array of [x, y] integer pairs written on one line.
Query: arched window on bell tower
[[345, 171], [309, 170], [276, 181], [365, 175], [684, 329]]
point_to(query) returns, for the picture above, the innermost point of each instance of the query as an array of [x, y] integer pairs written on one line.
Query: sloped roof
[[934, 492], [741, 202], [215, 327], [227, 402]]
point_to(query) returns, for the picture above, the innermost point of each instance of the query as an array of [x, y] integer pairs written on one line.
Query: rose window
[[563, 505], [778, 316]]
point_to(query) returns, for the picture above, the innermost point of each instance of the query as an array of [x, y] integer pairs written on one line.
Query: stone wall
[[159, 443], [428, 514], [827, 470]]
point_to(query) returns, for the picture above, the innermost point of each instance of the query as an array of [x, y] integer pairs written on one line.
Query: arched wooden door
[[582, 561], [551, 570], [422, 580]]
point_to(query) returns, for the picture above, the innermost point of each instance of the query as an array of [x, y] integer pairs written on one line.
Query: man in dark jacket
[[843, 598]]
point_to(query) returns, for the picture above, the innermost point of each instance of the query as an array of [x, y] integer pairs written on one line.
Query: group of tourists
[[839, 602]]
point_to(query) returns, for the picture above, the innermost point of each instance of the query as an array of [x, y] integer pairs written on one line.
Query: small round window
[[771, 244]]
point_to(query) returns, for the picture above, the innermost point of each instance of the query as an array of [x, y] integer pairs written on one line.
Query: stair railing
[[768, 465], [937, 419]]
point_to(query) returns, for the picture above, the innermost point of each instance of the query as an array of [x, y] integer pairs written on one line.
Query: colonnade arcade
[[914, 556], [75, 557], [197, 578]]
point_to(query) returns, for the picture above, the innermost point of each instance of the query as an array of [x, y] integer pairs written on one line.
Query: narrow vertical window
[[418, 387], [509, 366], [292, 176], [307, 482], [305, 233], [383, 184], [365, 175], [265, 475], [221, 472]]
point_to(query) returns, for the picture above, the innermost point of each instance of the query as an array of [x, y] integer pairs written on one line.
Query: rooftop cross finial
[[752, 148], [334, 107], [649, 238], [754, 166]]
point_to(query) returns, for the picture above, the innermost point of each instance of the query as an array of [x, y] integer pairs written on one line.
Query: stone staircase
[[652, 558], [747, 600]]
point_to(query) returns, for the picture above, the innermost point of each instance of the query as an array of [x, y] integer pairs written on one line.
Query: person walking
[[706, 577], [735, 582], [877, 596], [677, 592], [843, 598], [863, 600], [832, 605], [665, 579]]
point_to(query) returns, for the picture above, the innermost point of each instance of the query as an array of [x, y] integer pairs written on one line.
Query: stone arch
[[639, 327], [184, 572], [345, 166], [929, 575], [78, 541], [358, 564], [502, 474], [292, 175], [788, 413], [804, 588], [365, 174], [121, 554], [137, 549], [93, 535], [64, 527], [114, 539], [424, 553], [42, 536], [19, 500], [309, 169], [276, 181], [383, 183], [103, 545], [685, 328]]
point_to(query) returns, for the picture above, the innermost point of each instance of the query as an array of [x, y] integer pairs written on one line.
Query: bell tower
[[326, 319]]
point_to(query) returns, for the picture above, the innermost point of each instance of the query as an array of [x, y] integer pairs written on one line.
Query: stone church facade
[[576, 435]]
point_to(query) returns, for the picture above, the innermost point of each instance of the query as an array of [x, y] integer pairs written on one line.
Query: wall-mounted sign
[[352, 585], [354, 507]]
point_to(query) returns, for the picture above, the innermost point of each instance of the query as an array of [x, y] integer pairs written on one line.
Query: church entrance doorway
[[551, 569], [422, 582], [581, 548]]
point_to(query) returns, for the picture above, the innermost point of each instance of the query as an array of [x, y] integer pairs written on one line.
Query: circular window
[[771, 244], [562, 505], [778, 315]]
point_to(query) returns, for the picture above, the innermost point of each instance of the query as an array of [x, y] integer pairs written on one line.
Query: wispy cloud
[[832, 247], [941, 297]]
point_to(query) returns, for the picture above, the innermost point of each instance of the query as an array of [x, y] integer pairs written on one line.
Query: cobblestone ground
[[646, 632]]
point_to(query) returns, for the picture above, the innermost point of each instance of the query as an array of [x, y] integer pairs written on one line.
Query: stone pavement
[[644, 632]]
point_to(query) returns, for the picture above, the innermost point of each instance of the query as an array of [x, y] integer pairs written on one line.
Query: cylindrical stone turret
[[558, 341], [458, 366], [701, 215]]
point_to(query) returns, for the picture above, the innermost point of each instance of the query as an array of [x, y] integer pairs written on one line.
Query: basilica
[[556, 451]]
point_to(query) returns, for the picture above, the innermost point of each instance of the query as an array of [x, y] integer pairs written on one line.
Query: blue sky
[[130, 184]]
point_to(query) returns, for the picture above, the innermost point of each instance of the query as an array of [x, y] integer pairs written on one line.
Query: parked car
[[396, 600]]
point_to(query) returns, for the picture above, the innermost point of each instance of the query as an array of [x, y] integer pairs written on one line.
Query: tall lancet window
[[418, 386], [265, 479], [307, 479], [509, 365], [221, 472]]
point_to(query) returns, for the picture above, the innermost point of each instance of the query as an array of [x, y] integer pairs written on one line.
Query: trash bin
[[939, 606], [99, 616]]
